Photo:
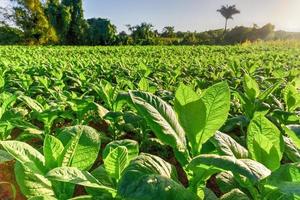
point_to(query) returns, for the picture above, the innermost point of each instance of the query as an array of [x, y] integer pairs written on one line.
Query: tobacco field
[[177, 122]]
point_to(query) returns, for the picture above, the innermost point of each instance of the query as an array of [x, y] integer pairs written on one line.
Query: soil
[[7, 177]]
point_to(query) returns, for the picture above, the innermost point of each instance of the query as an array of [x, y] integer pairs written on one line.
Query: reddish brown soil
[[7, 176]]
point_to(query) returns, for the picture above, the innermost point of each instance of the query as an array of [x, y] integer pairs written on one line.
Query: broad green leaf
[[116, 161], [82, 145], [132, 147], [148, 187], [143, 84], [217, 103], [235, 194], [32, 183], [251, 169], [65, 159], [291, 97], [149, 164], [103, 177], [264, 142], [185, 95], [286, 179], [52, 150], [162, 120], [25, 154], [76, 176], [250, 87], [4, 156], [8, 101], [32, 104], [228, 146], [201, 118], [191, 112]]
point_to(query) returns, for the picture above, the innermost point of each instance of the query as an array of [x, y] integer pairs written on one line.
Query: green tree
[[227, 12], [142, 34], [168, 31], [29, 15], [10, 35], [74, 26], [101, 32]]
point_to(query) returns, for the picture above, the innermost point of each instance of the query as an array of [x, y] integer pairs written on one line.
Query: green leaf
[[235, 194], [217, 103], [82, 145], [162, 120], [25, 154], [185, 95], [76, 176], [132, 147], [150, 187], [116, 161], [2, 82], [251, 169], [32, 104], [228, 146], [32, 183], [4, 156], [291, 150], [148, 164], [52, 150], [191, 113], [291, 97], [251, 87], [65, 159], [150, 177], [201, 118], [103, 177], [293, 135], [264, 142], [286, 179], [263, 96]]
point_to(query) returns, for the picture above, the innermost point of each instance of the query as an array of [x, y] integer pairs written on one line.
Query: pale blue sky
[[199, 15]]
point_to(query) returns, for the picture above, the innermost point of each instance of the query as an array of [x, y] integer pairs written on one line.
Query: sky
[[194, 15]]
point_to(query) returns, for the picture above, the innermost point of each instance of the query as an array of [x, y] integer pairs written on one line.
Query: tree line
[[62, 22]]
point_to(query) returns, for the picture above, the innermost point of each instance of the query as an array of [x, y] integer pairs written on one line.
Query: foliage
[[151, 122]]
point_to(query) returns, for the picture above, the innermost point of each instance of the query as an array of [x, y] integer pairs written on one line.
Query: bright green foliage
[[251, 169], [250, 87], [30, 16], [162, 120], [116, 161], [284, 182], [81, 116], [265, 142], [202, 117]]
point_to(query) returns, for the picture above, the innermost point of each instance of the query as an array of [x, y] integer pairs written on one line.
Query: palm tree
[[227, 12]]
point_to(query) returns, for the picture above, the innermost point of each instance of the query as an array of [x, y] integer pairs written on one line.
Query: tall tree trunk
[[226, 21]]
